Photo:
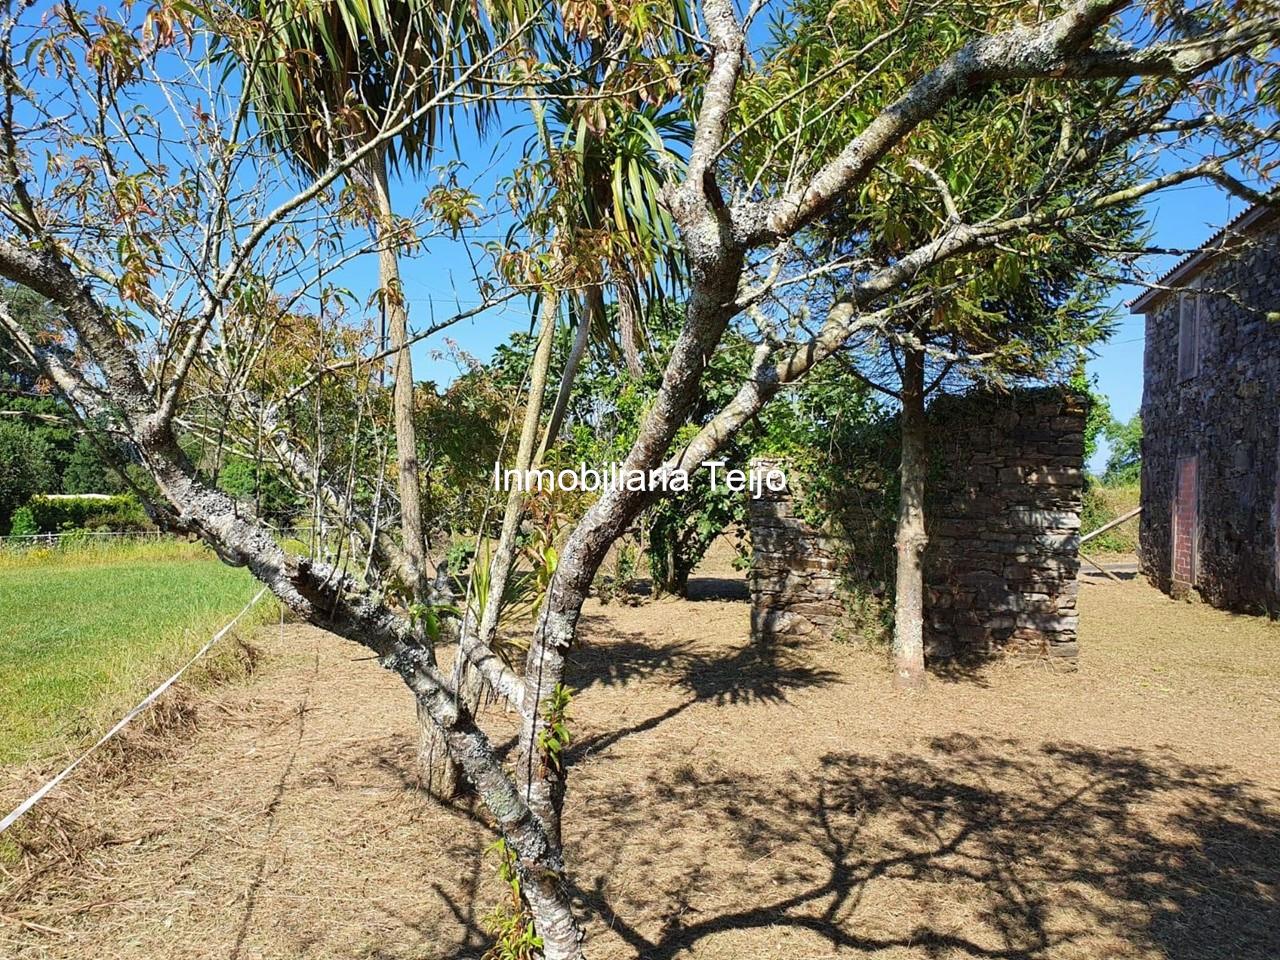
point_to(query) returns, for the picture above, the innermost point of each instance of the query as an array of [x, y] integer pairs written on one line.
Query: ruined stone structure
[[1004, 524], [1003, 517], [794, 579], [1211, 420]]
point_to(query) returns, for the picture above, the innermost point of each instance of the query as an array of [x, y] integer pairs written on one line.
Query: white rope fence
[[150, 698]]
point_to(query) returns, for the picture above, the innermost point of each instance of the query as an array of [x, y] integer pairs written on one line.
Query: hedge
[[45, 513]]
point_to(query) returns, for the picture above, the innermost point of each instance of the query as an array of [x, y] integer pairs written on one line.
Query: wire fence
[[80, 537]]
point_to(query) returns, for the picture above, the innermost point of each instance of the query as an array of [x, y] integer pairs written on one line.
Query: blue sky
[[1179, 218], [439, 281]]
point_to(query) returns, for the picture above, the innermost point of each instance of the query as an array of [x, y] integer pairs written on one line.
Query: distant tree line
[[43, 448], [46, 449]]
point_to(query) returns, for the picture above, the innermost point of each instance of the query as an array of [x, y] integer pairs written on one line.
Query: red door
[[1185, 523]]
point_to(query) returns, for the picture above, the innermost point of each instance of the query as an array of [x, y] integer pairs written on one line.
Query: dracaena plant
[[326, 78]]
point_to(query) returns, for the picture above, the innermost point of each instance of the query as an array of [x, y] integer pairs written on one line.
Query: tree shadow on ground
[[978, 670], [966, 847], [729, 589], [719, 588], [974, 671], [250, 896], [752, 673], [969, 848]]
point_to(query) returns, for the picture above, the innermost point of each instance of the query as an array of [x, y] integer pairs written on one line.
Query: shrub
[[23, 523], [255, 483], [87, 472], [1103, 502], [56, 514], [868, 615]]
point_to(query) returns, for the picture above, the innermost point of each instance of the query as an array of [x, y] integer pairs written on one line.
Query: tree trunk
[[908, 620], [677, 585], [628, 322], [543, 785], [402, 396], [669, 578], [526, 458], [437, 773], [574, 360], [553, 918], [671, 585], [539, 857], [439, 776]]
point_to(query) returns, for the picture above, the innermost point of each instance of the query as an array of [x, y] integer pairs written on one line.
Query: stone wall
[[1003, 516], [1004, 524], [793, 576], [1227, 416]]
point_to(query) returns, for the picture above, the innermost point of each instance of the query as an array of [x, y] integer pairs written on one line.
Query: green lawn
[[86, 632]]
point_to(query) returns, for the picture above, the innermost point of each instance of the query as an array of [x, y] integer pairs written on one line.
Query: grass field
[[87, 631]]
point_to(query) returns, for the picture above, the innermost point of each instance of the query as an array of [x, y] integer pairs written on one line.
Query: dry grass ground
[[723, 804]]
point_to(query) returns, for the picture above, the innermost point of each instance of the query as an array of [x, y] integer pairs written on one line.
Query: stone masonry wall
[[793, 576], [1227, 416], [1004, 524], [1003, 516]]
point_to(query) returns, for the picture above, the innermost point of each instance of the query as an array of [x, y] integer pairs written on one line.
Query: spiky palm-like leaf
[[326, 75], [622, 160]]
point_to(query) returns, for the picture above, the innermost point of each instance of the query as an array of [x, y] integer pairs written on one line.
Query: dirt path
[[722, 804]]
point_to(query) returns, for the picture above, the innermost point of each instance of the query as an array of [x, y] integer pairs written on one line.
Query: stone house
[[1211, 420]]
